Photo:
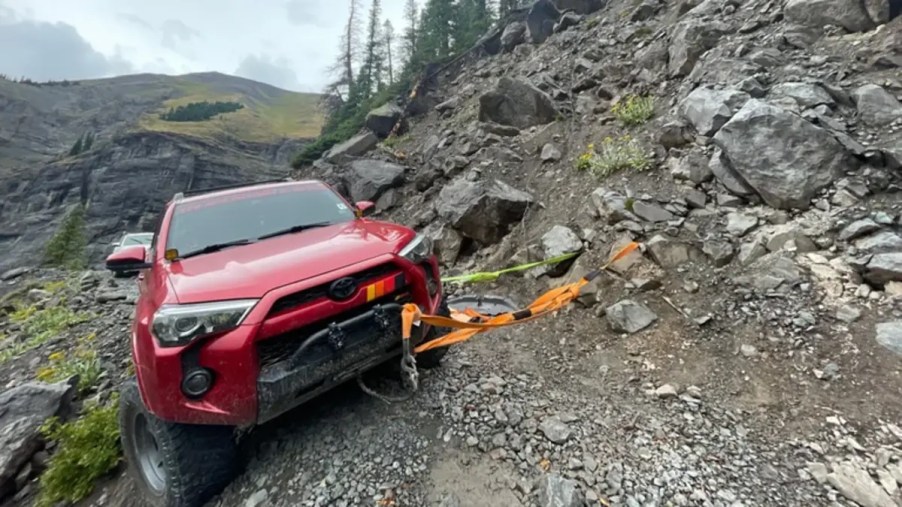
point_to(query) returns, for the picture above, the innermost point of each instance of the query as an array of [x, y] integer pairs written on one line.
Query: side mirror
[[365, 208], [130, 258]]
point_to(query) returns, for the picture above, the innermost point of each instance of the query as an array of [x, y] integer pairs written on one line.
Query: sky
[[285, 43]]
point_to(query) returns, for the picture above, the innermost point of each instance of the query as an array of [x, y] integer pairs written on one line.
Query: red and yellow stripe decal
[[383, 287]]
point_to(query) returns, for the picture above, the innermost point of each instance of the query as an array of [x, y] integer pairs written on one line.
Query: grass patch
[[634, 109], [87, 449], [39, 327], [614, 155], [83, 362], [393, 141], [265, 117]]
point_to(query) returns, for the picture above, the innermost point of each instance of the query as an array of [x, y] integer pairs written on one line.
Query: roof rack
[[198, 191]]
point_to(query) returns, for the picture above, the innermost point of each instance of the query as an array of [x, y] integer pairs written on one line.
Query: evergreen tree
[[369, 75], [388, 40], [410, 34], [348, 51], [506, 6], [436, 27], [66, 249], [472, 21]]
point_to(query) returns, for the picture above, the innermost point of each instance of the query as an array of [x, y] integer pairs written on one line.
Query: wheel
[[174, 465], [432, 358]]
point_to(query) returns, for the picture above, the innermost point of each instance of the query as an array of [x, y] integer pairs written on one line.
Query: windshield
[[137, 239], [250, 215]]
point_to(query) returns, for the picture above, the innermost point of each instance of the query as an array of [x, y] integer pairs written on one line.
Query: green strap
[[488, 276]]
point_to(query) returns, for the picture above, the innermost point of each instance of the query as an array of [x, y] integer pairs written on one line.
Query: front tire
[[432, 358], [174, 465]]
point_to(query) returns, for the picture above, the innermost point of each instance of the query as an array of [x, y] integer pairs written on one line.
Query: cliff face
[[137, 162]]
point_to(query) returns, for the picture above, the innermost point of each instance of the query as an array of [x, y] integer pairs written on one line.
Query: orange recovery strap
[[468, 323]]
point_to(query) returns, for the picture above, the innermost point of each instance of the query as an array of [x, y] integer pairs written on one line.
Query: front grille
[[281, 347], [321, 291]]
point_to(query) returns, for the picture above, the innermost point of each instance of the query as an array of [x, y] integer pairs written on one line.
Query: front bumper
[[257, 371]]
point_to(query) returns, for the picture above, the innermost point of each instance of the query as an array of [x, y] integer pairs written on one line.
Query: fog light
[[197, 382]]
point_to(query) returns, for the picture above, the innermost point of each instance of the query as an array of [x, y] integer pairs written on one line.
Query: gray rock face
[[720, 252], [367, 179], [805, 94], [651, 212], [382, 120], [740, 224], [786, 159], [727, 176], [878, 10], [856, 484], [353, 147], [23, 410], [516, 103], [690, 39], [555, 430], [889, 334], [876, 106], [482, 211], [550, 153], [628, 316], [671, 253], [611, 206], [541, 19], [514, 34], [884, 267], [567, 20], [556, 491], [708, 109], [884, 241], [446, 241], [692, 167], [858, 228], [817, 13], [559, 240]]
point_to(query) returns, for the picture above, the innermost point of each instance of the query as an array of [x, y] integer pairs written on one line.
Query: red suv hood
[[250, 271]]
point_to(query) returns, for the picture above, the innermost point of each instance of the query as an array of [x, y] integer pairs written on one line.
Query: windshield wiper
[[217, 247], [296, 228]]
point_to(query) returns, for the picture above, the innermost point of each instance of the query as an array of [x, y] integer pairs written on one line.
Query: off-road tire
[[198, 461], [432, 358]]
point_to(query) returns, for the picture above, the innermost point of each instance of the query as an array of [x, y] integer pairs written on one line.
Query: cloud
[[46, 51], [303, 12], [135, 20], [176, 32], [264, 69]]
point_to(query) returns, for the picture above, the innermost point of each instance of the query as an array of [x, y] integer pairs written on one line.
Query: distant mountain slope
[[137, 160]]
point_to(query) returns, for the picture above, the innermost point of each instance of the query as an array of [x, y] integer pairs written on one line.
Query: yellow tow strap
[[488, 276], [468, 323]]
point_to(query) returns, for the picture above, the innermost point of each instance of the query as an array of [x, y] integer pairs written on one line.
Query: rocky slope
[[137, 161], [749, 354]]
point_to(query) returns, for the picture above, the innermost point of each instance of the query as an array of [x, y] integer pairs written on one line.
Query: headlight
[[180, 324], [418, 250]]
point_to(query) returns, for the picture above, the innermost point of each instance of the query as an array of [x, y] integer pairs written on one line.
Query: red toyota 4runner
[[235, 281]]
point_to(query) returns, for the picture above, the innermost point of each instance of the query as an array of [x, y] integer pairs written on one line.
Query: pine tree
[[66, 248], [506, 6], [369, 76], [410, 34], [388, 39], [348, 51], [472, 20], [436, 29]]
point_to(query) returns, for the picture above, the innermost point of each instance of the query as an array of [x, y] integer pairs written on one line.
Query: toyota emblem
[[342, 289]]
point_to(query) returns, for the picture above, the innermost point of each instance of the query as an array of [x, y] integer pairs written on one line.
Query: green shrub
[[613, 156], [87, 449], [634, 109], [66, 249], [83, 362], [200, 111], [38, 327]]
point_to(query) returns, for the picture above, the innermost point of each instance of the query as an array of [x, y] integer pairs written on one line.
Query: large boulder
[[848, 14], [876, 106], [556, 491], [514, 34], [784, 158], [368, 179], [541, 19], [480, 210], [889, 334], [806, 95], [383, 119], [690, 40], [727, 177], [23, 410], [708, 109], [516, 103], [353, 147]]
